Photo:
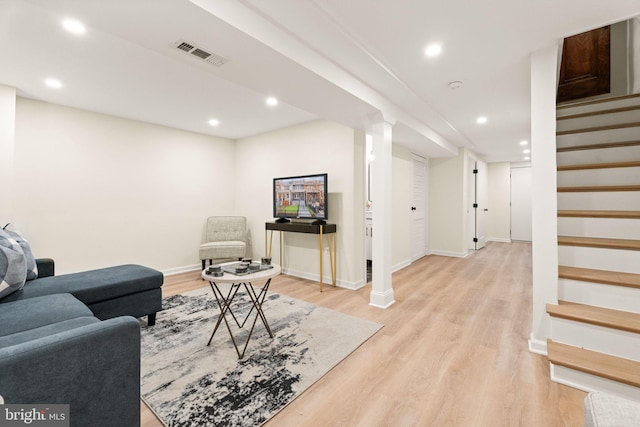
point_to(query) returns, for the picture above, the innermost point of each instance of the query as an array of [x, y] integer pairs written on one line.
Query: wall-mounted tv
[[301, 197]]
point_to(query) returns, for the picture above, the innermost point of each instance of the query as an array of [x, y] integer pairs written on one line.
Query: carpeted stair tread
[[600, 316], [598, 242], [617, 278], [592, 362]]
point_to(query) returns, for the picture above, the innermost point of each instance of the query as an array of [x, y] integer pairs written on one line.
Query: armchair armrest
[[46, 267], [94, 368]]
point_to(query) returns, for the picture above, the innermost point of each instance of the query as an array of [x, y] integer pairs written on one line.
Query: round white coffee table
[[248, 281]]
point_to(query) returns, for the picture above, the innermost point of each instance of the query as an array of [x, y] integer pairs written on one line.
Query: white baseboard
[[400, 265], [326, 279], [537, 346], [184, 269], [451, 254], [382, 299], [498, 239]]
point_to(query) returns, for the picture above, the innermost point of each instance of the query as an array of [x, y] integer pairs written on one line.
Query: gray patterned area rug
[[187, 383]]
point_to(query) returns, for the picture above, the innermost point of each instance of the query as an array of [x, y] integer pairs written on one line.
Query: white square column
[[382, 203]]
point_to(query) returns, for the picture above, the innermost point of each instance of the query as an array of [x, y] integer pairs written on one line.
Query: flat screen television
[[300, 197]]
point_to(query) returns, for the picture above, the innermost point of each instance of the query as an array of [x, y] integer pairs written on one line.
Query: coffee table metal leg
[[258, 300], [224, 304], [224, 307]]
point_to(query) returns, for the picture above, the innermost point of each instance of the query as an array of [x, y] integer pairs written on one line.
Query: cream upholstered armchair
[[225, 238]]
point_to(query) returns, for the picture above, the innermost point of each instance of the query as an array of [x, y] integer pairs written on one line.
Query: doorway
[[521, 204], [418, 228]]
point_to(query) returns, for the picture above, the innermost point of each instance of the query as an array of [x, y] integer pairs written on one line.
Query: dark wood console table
[[302, 227]]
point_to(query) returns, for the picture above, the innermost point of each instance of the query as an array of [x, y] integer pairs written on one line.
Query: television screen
[[300, 197]]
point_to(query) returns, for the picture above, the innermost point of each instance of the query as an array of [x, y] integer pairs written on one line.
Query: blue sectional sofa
[[73, 339]]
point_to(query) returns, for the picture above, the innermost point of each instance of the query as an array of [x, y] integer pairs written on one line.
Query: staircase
[[595, 342]]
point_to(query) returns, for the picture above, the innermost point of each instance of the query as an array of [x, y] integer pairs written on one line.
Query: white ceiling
[[341, 60]]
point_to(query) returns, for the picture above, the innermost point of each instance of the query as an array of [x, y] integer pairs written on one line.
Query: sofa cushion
[[94, 285], [32, 268], [606, 410], [13, 266], [20, 316], [45, 331]]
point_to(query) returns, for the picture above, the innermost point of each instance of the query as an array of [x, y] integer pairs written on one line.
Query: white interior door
[[482, 199], [419, 208], [521, 204], [477, 210]]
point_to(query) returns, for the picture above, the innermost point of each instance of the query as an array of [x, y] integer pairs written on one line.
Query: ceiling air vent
[[199, 52]]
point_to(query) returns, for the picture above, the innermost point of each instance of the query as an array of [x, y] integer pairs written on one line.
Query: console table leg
[[332, 256], [320, 250]]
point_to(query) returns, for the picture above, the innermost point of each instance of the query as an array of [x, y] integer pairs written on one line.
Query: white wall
[[7, 133], [314, 147], [93, 190], [543, 193], [499, 223], [447, 216], [634, 52], [401, 214]]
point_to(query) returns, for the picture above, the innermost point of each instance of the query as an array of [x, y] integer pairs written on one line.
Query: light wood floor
[[453, 350]]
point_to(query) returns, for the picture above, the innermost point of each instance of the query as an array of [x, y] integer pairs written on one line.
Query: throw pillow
[[32, 267], [13, 265]]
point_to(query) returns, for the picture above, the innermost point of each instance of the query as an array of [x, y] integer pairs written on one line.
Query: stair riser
[[624, 261], [599, 294], [612, 228], [589, 108], [611, 176], [602, 155], [597, 137], [590, 383], [596, 338], [599, 120], [614, 200]]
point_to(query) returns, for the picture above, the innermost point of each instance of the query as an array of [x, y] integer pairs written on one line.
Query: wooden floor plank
[[453, 350]]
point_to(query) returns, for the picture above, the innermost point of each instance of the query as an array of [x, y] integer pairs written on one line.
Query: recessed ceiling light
[[481, 120], [526, 151], [433, 50], [524, 142], [214, 122], [73, 26], [455, 85], [53, 83], [272, 102], [527, 158]]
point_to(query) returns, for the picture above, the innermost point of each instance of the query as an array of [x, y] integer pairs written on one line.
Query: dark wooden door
[[585, 68]]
